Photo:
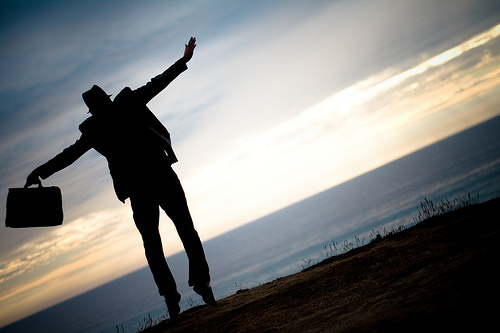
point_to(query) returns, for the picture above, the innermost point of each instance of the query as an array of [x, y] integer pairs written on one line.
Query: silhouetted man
[[139, 154]]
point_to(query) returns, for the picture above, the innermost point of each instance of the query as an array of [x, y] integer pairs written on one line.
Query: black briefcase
[[34, 207]]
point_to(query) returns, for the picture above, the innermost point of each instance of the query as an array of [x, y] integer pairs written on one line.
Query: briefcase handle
[[39, 184]]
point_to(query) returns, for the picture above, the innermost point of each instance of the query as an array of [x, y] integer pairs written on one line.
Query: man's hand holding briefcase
[[34, 206]]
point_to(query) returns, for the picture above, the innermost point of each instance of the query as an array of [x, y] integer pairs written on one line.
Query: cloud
[[87, 246], [47, 247], [351, 132]]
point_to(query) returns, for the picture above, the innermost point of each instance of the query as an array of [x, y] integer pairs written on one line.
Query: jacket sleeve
[[146, 93], [64, 159]]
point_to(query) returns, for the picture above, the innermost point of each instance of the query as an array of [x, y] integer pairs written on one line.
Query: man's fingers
[[192, 42], [189, 49]]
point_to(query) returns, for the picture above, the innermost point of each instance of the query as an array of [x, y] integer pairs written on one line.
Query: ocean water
[[286, 241]]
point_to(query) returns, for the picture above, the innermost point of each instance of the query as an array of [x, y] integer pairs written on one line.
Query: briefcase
[[34, 207]]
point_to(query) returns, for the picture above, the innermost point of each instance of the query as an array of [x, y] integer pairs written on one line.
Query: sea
[[465, 166]]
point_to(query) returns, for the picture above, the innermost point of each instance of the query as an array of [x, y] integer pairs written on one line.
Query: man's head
[[97, 100]]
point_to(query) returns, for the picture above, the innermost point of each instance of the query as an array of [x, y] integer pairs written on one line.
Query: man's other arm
[[59, 162]]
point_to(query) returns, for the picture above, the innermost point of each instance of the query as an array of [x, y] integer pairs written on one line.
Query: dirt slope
[[438, 276]]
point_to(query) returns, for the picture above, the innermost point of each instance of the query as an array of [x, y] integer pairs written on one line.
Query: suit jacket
[[134, 142]]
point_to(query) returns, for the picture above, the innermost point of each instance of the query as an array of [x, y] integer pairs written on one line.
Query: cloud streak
[[355, 126], [53, 263]]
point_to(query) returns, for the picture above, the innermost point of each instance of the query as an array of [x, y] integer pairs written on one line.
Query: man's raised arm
[[160, 82]]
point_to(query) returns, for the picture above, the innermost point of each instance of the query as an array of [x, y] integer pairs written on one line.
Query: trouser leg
[[146, 217], [175, 206]]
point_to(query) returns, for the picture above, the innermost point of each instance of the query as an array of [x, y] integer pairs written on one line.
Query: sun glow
[[318, 143]]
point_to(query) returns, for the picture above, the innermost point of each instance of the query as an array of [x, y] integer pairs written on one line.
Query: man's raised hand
[[189, 49]]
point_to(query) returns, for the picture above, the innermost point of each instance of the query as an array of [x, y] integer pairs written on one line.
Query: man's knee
[[189, 235], [150, 236], [146, 223]]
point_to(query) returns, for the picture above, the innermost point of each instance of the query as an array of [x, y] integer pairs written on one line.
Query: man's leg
[[173, 202], [146, 217]]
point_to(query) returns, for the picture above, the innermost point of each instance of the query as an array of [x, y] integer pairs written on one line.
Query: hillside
[[439, 275]]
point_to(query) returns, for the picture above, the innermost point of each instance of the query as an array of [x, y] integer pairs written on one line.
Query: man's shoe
[[207, 294], [173, 307]]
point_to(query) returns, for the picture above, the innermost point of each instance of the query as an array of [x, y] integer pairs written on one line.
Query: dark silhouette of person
[[139, 153]]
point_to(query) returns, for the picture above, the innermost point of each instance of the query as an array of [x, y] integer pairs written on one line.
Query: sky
[[282, 100]]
